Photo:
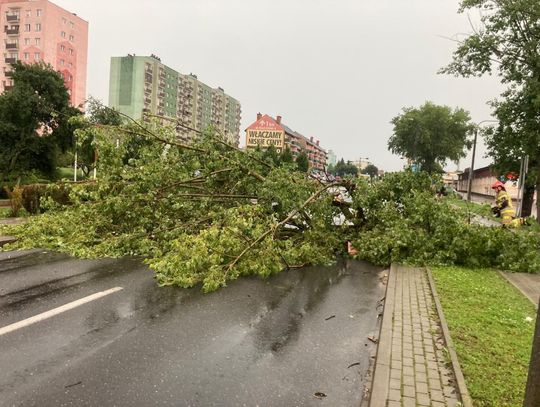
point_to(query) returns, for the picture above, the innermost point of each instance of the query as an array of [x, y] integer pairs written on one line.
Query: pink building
[[38, 30]]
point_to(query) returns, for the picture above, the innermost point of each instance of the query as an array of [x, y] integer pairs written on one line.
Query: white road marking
[[56, 311]]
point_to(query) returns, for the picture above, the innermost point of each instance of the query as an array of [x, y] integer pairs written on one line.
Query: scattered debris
[[320, 395], [354, 364], [330, 317], [72, 385], [529, 319], [373, 339]]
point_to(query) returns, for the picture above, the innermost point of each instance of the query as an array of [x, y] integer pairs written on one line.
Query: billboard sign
[[265, 132]]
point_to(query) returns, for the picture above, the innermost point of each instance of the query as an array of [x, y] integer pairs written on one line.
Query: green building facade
[[141, 86]]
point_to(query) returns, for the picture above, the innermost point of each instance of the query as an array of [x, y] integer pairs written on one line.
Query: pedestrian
[[503, 204]]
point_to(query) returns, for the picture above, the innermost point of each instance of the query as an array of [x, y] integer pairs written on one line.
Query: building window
[[37, 41], [27, 41], [71, 65], [72, 25], [39, 12], [26, 56], [71, 38], [63, 34], [38, 27], [62, 48], [62, 62], [27, 27], [37, 56], [64, 21], [71, 51]]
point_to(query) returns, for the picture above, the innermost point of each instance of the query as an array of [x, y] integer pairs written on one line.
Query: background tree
[[271, 155], [508, 42], [344, 169], [97, 115], [286, 156], [430, 135], [371, 170], [302, 162], [516, 135], [34, 119]]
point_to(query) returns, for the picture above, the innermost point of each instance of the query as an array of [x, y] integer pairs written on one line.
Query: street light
[[471, 171]]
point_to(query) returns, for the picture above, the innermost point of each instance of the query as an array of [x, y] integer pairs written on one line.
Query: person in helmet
[[503, 204]]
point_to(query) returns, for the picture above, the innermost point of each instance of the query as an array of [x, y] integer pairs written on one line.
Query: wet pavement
[[296, 339]]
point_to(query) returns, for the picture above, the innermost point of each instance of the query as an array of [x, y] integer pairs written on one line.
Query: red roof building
[[267, 131]]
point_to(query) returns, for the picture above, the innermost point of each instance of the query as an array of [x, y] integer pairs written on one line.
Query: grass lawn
[[67, 174], [487, 321], [4, 212], [477, 208]]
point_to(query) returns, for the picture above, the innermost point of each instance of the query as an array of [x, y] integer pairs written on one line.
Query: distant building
[[38, 30], [267, 131], [361, 164], [143, 84], [331, 158]]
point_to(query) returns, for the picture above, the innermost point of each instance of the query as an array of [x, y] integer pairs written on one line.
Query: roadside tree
[[344, 169], [430, 135], [508, 43], [371, 170], [34, 117], [302, 162]]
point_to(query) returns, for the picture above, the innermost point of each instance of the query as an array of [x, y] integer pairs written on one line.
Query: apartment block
[[38, 30], [267, 131], [143, 86]]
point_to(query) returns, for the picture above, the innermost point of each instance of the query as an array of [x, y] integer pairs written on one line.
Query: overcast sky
[[337, 70]]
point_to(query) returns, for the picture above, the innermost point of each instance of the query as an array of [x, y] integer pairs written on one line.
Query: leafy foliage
[[508, 41], [302, 162], [430, 135], [208, 213], [371, 170], [34, 121], [344, 169]]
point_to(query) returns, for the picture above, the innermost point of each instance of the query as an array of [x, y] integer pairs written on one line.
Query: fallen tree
[[207, 213]]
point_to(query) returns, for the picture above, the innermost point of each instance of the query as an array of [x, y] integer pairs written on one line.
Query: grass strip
[[487, 318]]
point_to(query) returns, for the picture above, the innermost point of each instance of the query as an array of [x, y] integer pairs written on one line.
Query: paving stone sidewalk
[[414, 362]]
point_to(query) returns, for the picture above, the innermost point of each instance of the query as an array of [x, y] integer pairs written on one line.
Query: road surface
[[101, 333]]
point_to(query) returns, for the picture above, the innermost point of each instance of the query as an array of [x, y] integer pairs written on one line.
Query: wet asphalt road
[[272, 342]]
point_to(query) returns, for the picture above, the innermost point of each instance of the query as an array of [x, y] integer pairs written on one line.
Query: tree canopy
[[430, 135], [302, 162], [507, 42], [345, 169], [371, 170], [34, 121]]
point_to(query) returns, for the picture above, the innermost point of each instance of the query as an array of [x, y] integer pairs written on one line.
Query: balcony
[[8, 87], [10, 60], [12, 45], [8, 74], [12, 18], [12, 31]]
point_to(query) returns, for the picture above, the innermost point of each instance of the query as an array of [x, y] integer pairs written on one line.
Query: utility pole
[[532, 391], [471, 170]]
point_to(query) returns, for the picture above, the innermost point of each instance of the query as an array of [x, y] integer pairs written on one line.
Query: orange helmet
[[497, 184]]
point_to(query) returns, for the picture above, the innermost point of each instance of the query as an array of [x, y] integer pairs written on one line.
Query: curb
[[507, 279], [6, 240], [460, 380], [381, 375]]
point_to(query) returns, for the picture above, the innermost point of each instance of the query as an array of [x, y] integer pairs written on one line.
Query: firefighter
[[503, 204]]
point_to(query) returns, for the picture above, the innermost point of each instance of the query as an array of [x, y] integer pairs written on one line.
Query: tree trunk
[[528, 198], [532, 391]]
